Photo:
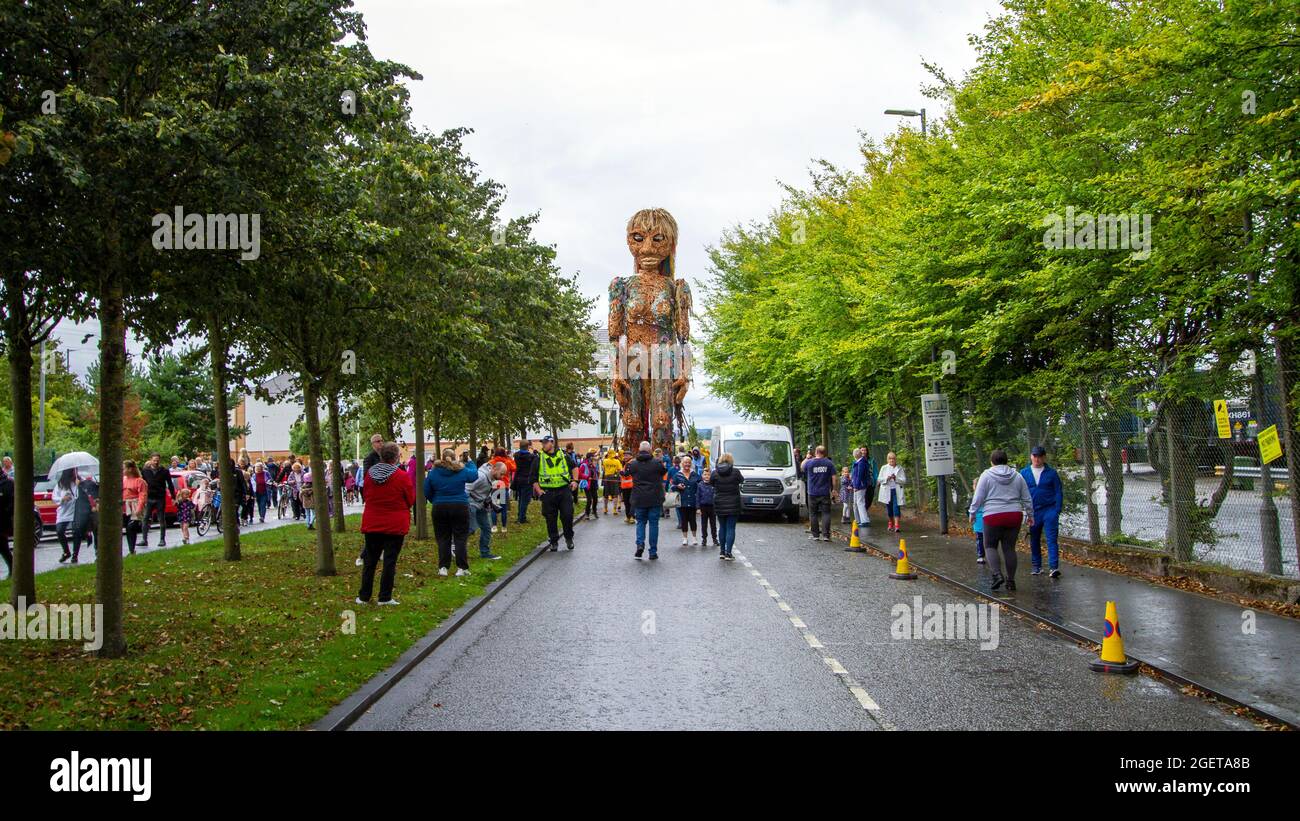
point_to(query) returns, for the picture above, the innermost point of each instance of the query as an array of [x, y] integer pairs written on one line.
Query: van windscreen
[[759, 453]]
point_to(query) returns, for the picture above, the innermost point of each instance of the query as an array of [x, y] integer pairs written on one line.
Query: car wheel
[[792, 516]]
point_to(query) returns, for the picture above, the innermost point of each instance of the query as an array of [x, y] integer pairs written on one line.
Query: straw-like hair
[[653, 220]]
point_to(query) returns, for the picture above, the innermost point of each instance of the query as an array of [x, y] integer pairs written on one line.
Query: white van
[[765, 455]]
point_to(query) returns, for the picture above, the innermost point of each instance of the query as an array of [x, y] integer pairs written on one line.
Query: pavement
[[49, 551], [1202, 639], [792, 635]]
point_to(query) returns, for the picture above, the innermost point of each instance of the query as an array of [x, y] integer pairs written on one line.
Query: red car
[[48, 511]]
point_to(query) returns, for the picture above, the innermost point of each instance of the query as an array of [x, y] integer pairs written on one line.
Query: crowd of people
[[473, 496], [1004, 499]]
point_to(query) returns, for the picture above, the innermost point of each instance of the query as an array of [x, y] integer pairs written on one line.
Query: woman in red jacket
[[385, 522]]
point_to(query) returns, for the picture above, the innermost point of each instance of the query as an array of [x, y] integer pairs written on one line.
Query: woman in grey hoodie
[[1003, 494]]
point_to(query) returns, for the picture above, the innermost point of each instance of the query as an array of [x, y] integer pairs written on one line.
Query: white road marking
[[867, 702], [838, 670]]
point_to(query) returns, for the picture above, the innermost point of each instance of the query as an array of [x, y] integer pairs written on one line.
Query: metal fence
[[1159, 476]]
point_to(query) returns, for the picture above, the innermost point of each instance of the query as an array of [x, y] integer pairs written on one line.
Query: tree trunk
[[336, 467], [20, 389], [388, 414], [1285, 355], [473, 433], [1094, 525], [226, 467], [324, 539], [437, 431], [825, 435], [1114, 480], [1181, 460], [421, 511], [108, 541]]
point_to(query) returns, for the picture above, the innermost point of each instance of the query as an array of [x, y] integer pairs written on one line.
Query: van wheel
[[792, 516]]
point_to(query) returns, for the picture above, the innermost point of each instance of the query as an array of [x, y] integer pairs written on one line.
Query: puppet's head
[[652, 239]]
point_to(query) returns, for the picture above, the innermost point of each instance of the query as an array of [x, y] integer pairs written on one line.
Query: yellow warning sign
[[1269, 447], [1221, 417]]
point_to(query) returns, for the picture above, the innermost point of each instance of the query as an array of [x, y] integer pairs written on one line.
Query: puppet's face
[[650, 247]]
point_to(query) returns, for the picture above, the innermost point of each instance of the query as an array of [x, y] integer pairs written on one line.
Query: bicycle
[[284, 508]]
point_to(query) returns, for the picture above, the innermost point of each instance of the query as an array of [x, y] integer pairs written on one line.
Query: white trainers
[[442, 571], [359, 601], [494, 528], [390, 602], [683, 541], [462, 572], [360, 561]]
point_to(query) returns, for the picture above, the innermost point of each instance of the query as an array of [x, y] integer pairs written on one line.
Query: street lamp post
[[941, 480]]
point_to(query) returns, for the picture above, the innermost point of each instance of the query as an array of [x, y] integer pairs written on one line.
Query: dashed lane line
[[838, 670]]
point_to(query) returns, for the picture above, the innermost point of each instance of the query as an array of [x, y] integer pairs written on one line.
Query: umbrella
[[77, 459]]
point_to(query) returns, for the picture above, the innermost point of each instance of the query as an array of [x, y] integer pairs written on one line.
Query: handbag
[[672, 499]]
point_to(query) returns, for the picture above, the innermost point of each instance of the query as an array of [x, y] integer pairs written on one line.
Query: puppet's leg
[[661, 413]]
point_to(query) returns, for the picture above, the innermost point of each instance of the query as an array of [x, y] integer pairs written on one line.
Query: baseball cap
[[1038, 450], [548, 438]]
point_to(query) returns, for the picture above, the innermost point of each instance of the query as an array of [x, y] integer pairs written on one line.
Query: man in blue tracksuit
[[863, 478], [1045, 488]]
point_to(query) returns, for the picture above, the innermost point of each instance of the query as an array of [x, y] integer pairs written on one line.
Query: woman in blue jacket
[[1048, 495], [444, 487], [687, 483]]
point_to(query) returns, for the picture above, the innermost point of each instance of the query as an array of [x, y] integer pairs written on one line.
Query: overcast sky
[[587, 112]]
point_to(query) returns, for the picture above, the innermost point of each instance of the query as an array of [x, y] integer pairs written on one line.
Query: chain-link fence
[[1159, 477]]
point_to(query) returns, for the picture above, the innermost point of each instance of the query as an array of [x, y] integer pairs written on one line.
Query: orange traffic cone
[[902, 570], [1112, 659], [855, 544]]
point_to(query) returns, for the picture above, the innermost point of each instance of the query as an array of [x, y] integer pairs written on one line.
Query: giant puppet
[[649, 321]]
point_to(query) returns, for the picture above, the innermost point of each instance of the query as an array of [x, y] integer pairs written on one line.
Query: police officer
[[555, 486]]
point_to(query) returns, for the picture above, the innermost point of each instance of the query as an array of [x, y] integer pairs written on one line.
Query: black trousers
[[385, 546], [133, 528], [558, 502], [451, 529], [6, 552], [820, 509], [159, 505], [74, 529], [591, 499], [688, 519], [708, 519]]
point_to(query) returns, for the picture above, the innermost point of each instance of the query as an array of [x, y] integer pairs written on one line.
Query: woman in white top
[[890, 481], [64, 495]]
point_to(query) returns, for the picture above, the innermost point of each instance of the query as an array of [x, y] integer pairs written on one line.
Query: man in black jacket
[[526, 463], [158, 479], [647, 475]]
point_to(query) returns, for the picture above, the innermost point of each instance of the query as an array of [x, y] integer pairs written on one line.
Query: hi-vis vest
[[554, 470]]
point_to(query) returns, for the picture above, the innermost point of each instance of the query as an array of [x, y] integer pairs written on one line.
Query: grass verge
[[254, 644]]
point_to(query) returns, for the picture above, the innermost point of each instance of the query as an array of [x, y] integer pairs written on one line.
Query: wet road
[[797, 635]]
